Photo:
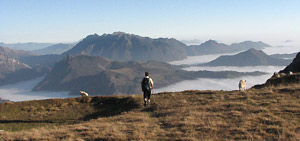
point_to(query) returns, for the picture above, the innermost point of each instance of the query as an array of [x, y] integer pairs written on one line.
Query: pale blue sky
[[229, 21]]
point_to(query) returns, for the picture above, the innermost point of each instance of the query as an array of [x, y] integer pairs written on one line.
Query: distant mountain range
[[250, 44], [15, 53], [100, 76], [54, 49], [251, 57], [26, 46], [213, 47], [127, 47], [119, 46]]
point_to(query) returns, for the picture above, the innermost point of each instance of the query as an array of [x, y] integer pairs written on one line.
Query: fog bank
[[281, 50], [222, 84], [22, 92], [213, 84]]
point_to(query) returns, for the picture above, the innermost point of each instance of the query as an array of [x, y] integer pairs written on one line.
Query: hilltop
[[251, 57], [258, 114]]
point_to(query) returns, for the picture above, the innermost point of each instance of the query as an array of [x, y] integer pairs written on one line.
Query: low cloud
[[288, 41], [222, 84], [22, 92]]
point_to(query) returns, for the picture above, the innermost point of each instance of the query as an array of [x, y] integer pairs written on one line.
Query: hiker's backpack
[[146, 85]]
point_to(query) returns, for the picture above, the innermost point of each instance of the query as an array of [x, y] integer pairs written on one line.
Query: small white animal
[[83, 93], [289, 73], [242, 85], [280, 75]]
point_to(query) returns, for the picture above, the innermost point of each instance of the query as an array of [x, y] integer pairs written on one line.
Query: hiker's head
[[146, 74]]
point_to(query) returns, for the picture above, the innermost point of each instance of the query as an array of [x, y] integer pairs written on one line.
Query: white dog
[[242, 85]]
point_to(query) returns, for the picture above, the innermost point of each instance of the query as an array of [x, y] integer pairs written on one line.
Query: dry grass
[[265, 114]]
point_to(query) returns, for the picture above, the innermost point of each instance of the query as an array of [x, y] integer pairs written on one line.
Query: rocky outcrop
[[290, 75], [294, 66]]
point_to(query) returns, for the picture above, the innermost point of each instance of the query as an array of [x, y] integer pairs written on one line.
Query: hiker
[[147, 86]]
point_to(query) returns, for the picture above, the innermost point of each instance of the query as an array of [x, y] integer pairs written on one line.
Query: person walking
[[147, 87]]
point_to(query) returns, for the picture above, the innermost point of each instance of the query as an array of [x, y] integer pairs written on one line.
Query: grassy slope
[[190, 115]]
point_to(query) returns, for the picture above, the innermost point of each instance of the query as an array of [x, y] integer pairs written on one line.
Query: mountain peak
[[254, 51], [211, 41], [119, 33], [92, 36], [251, 57]]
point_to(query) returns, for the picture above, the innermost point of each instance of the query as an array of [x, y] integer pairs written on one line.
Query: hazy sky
[[272, 21]]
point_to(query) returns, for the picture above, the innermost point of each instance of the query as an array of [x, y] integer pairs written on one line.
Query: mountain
[[250, 44], [9, 65], [128, 47], [30, 58], [44, 60], [208, 47], [251, 57], [23, 75], [213, 47], [12, 71], [99, 76], [26, 46], [15, 53], [54, 49]]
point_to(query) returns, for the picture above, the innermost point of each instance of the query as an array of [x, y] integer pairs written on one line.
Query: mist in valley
[[225, 84], [22, 92], [222, 84]]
